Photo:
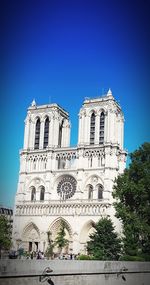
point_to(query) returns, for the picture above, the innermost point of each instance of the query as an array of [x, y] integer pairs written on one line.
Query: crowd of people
[[35, 255], [40, 255]]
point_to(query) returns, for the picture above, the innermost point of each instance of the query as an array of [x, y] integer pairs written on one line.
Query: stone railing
[[74, 272], [67, 208]]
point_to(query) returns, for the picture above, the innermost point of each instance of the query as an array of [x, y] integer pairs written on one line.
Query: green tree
[[5, 234], [104, 243], [132, 194], [60, 240], [49, 251]]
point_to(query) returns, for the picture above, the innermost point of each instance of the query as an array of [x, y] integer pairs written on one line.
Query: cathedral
[[58, 182]]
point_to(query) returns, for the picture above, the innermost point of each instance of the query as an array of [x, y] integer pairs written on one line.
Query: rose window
[[66, 187]]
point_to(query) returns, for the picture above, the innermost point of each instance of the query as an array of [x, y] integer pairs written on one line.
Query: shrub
[[131, 258], [84, 257]]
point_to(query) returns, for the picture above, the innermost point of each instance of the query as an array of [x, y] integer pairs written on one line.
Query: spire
[[33, 104], [109, 93]]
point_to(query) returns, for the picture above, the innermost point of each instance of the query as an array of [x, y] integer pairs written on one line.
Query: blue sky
[[63, 51]]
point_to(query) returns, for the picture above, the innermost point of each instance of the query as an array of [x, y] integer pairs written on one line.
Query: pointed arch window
[[60, 134], [33, 194], [99, 192], [42, 193], [92, 128], [101, 130], [37, 134], [90, 192], [46, 132]]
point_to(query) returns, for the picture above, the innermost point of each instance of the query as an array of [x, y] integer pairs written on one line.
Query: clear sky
[[63, 51]]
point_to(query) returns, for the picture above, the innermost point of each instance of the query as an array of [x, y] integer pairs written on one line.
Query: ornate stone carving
[[37, 181], [87, 208], [94, 179]]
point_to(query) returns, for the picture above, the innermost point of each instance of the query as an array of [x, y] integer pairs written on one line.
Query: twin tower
[[70, 184], [100, 121]]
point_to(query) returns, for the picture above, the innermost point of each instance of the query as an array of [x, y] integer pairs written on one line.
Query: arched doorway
[[55, 229], [87, 229], [31, 237]]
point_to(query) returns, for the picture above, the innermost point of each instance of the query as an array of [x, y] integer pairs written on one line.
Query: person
[[39, 255], [42, 255]]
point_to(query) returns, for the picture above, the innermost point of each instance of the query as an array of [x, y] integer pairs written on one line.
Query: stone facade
[[74, 184]]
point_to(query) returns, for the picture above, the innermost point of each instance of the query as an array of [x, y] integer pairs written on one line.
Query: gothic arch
[[46, 132], [31, 232], [89, 189], [86, 230], [37, 133], [91, 112], [102, 110], [55, 226], [100, 190], [93, 179], [32, 190], [42, 192], [35, 118], [36, 181], [45, 116]]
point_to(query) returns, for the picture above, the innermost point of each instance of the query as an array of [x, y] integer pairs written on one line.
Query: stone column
[[85, 130], [26, 134], [41, 134], [111, 126], [22, 162], [88, 129], [80, 128], [67, 163], [31, 134], [76, 244], [50, 135], [116, 129], [66, 134], [80, 164], [55, 131]]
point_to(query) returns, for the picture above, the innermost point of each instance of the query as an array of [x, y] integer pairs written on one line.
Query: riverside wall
[[73, 272]]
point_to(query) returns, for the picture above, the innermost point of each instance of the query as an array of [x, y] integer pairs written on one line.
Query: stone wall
[[73, 272]]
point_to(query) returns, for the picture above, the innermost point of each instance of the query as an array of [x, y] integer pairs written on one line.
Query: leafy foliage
[[5, 233], [132, 191], [49, 251], [84, 257], [104, 243], [60, 240]]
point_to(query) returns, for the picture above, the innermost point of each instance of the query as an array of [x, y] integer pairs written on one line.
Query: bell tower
[[46, 126], [101, 122]]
